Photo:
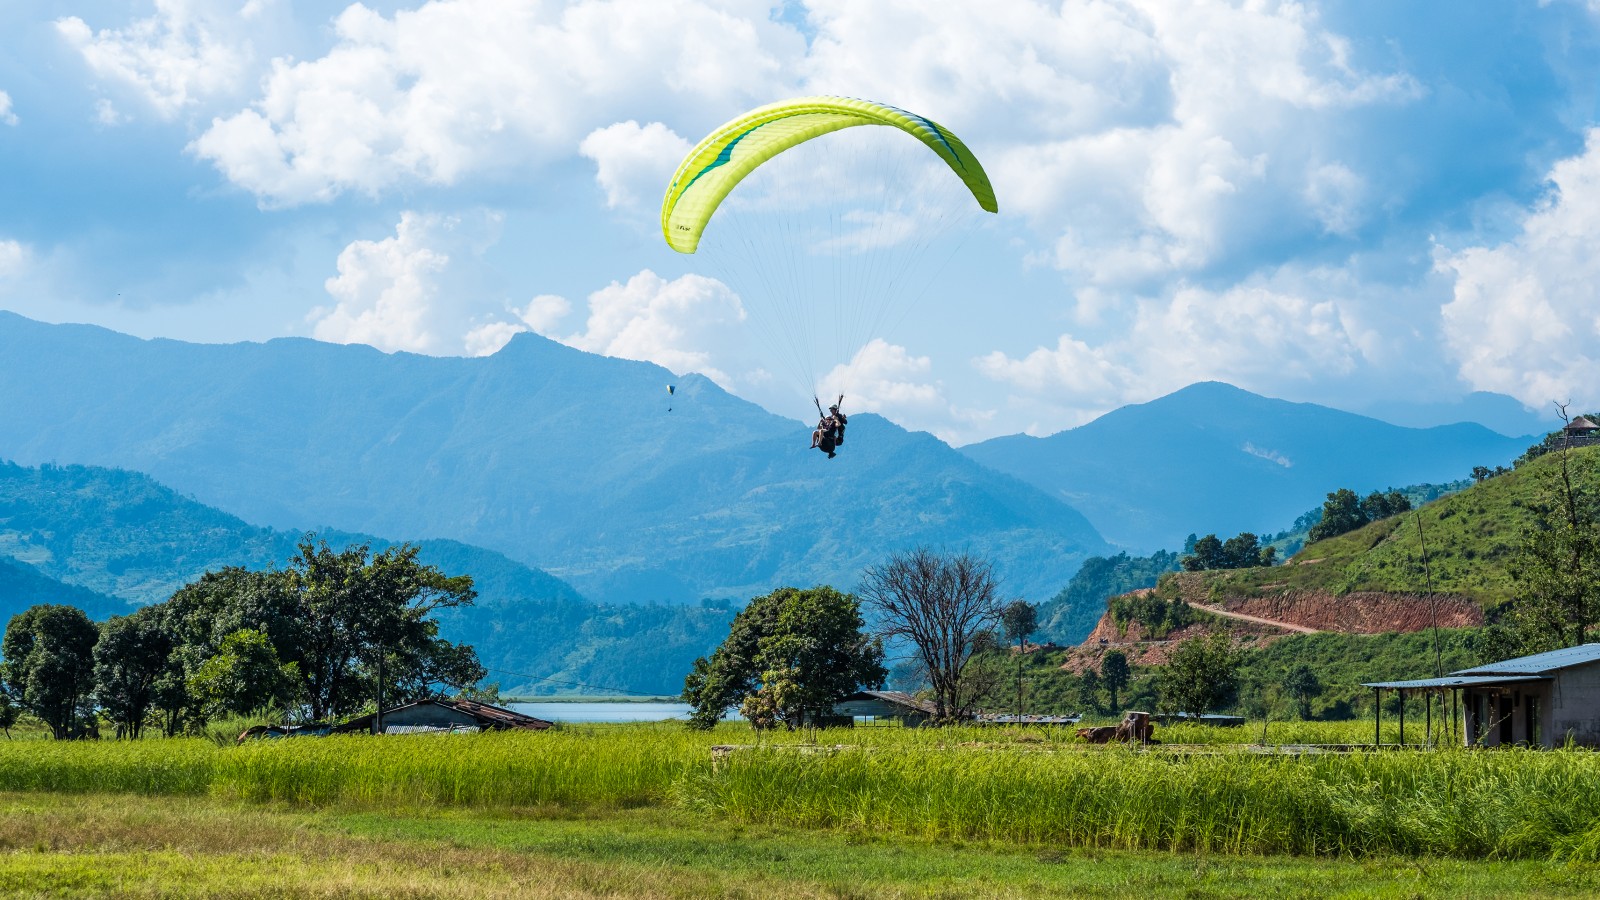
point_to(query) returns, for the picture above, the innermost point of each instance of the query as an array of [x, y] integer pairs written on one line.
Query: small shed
[[884, 708], [1542, 700], [439, 714]]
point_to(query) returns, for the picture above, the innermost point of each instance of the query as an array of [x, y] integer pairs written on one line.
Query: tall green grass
[[1032, 787], [180, 766]]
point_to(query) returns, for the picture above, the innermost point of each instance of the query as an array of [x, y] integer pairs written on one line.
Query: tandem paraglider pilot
[[830, 431]]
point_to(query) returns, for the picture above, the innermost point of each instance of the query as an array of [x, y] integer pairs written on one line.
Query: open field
[[91, 845], [982, 785]]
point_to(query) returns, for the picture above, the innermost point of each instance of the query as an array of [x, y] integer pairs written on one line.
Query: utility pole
[[377, 717]]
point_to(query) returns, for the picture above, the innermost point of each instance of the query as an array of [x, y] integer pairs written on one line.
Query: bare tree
[[940, 604]]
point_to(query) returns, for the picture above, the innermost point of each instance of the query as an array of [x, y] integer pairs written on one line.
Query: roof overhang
[[1455, 682]]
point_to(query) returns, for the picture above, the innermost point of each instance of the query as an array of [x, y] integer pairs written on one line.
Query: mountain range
[[1212, 458], [560, 459]]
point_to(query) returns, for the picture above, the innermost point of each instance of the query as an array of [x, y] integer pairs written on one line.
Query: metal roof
[[1539, 663], [1450, 681], [898, 698]]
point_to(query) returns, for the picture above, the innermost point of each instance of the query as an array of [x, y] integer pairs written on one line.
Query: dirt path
[[1218, 611]]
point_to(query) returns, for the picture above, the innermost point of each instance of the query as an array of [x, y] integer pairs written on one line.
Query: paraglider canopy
[[727, 155]]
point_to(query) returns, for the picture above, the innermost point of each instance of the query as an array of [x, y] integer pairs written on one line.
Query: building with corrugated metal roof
[[1543, 700], [883, 708]]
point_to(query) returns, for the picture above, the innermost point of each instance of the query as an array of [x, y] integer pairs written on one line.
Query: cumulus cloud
[[687, 324], [632, 162], [1524, 318], [6, 115], [190, 50], [461, 85], [13, 258], [1258, 336], [418, 290], [888, 379]]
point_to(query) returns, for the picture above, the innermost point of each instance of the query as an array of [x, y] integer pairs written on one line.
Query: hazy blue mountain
[[1214, 458], [1496, 412], [67, 529], [557, 458], [22, 586]]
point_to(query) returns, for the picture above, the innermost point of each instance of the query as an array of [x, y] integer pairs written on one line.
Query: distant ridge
[[1214, 458], [558, 458]]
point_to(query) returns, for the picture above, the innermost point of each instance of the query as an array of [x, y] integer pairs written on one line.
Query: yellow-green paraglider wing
[[733, 151]]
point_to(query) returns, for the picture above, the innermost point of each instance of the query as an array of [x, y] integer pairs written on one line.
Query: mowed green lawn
[[98, 845]]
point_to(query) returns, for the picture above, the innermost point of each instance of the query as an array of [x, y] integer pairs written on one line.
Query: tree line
[[325, 637]]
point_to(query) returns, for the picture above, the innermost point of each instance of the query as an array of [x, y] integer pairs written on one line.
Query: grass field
[[1027, 788], [96, 845]]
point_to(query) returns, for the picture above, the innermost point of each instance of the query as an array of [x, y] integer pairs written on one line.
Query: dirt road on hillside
[[1219, 611]]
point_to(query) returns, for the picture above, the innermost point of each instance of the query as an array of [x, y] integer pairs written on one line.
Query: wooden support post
[[1427, 705], [1402, 693], [1377, 717]]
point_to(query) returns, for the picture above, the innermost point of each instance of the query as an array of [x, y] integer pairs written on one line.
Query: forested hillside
[[107, 541]]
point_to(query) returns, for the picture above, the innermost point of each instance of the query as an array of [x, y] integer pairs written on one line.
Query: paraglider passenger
[[830, 431]]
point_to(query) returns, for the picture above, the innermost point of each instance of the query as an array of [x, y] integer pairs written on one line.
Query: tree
[[358, 614], [1301, 684], [1207, 555], [1243, 551], [1115, 674], [1089, 691], [8, 713], [245, 675], [1556, 564], [1340, 513], [129, 660], [796, 652], [1201, 674], [1019, 619], [1378, 505], [939, 604], [49, 665]]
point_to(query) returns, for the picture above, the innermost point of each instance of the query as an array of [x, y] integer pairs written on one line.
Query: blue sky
[[1361, 204]]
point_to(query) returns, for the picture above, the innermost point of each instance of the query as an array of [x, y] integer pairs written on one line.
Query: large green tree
[[129, 661], [48, 665], [244, 675], [360, 612], [798, 652], [1201, 675]]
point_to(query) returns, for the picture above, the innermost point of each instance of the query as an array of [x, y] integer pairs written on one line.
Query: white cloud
[[632, 161], [1525, 316], [188, 51], [544, 313], [6, 115], [455, 86], [887, 379], [688, 324], [1260, 336], [14, 257], [418, 290]]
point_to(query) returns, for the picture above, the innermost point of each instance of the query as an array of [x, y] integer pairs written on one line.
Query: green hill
[[108, 541], [1469, 536]]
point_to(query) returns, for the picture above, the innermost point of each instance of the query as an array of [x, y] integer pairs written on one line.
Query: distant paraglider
[[672, 389]]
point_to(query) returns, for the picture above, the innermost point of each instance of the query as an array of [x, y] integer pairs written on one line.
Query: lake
[[603, 712]]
